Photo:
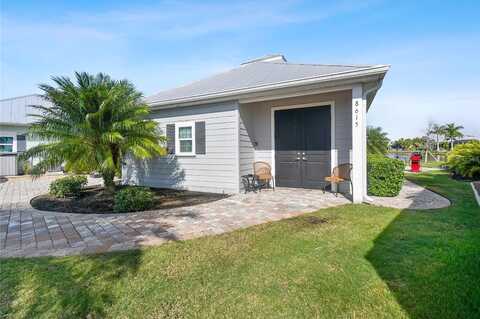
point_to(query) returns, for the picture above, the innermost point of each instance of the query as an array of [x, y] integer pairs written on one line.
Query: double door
[[302, 146]]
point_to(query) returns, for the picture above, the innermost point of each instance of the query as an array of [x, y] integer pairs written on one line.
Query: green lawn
[[433, 164], [354, 261]]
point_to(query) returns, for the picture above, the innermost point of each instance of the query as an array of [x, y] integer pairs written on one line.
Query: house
[[14, 123], [303, 119]]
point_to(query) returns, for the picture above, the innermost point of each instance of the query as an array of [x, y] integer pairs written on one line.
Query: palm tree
[[452, 133], [377, 140], [92, 125], [438, 131]]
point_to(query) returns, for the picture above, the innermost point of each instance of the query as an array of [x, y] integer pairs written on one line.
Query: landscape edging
[[477, 196]]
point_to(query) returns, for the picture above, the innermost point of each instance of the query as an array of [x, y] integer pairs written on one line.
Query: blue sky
[[433, 47]]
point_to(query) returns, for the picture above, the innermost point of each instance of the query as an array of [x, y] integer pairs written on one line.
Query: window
[[185, 138], [6, 144]]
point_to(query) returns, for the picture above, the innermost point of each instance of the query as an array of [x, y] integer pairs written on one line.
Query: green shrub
[[385, 176], [464, 160], [132, 199], [26, 167], [68, 186]]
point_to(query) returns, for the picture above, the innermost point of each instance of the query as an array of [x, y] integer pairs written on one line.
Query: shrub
[[385, 176], [132, 199], [68, 186], [26, 167], [464, 160]]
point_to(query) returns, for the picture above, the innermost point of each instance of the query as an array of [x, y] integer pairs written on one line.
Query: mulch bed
[[94, 200]]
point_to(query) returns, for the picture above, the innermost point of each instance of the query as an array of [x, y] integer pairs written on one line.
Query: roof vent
[[275, 58]]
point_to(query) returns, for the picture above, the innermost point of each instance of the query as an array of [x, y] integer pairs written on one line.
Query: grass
[[354, 261], [433, 164]]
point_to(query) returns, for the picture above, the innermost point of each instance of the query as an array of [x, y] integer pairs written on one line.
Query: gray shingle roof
[[251, 75]]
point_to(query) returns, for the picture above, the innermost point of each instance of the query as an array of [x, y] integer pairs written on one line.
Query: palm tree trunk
[[108, 181], [108, 176]]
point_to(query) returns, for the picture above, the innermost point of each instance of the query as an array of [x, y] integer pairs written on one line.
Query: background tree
[[92, 125], [409, 144], [452, 133], [427, 140], [397, 144], [377, 140], [438, 131]]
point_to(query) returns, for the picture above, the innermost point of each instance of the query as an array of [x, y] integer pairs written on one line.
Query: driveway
[[25, 231]]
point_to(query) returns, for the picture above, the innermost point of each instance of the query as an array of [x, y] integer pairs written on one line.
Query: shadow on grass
[[430, 260], [67, 286]]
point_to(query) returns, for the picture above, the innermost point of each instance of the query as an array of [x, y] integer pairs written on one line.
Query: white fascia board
[[231, 94]]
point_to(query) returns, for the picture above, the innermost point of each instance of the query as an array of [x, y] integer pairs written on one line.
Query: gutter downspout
[[367, 199]]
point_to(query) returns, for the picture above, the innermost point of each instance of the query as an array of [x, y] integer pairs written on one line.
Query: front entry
[[302, 146]]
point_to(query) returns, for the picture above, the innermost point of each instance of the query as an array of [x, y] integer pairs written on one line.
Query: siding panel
[[8, 165], [247, 152], [215, 171]]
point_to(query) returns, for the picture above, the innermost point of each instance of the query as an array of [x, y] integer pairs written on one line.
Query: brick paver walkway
[[25, 231]]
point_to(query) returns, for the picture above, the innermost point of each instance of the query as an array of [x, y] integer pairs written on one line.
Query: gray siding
[[216, 171], [343, 126], [247, 151]]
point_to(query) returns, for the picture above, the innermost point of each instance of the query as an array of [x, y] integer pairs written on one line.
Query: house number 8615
[[356, 113]]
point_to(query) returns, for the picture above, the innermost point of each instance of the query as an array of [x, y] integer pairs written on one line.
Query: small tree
[[92, 125], [452, 133], [377, 140]]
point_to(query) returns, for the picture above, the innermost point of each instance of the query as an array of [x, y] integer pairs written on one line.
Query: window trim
[[179, 125], [12, 144]]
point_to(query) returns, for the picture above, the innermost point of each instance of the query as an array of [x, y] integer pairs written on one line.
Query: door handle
[[304, 158], [298, 158]]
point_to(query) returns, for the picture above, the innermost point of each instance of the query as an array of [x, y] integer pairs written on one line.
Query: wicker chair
[[263, 174], [340, 174]]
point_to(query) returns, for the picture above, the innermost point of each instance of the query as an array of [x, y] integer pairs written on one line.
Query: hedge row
[[385, 176], [464, 160]]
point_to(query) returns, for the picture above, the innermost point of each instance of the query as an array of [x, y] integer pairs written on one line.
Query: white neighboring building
[[14, 124]]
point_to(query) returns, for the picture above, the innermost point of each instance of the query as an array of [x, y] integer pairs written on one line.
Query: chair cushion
[[264, 176], [334, 179]]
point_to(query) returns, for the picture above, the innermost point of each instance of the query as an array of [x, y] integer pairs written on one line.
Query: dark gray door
[[302, 147]]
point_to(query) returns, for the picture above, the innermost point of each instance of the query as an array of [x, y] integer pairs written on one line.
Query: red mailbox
[[415, 159]]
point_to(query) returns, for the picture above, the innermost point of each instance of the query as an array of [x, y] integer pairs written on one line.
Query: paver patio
[[25, 231]]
